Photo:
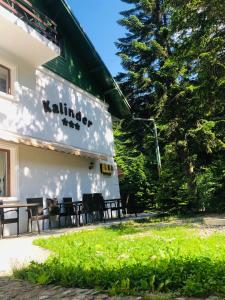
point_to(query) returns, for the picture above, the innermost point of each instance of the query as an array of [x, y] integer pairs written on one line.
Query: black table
[[114, 204], [16, 207]]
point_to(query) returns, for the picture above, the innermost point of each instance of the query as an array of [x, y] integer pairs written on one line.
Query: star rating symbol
[[90, 123], [65, 122], [77, 126], [71, 124]]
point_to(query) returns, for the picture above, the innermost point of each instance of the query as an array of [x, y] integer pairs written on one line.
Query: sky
[[99, 18]]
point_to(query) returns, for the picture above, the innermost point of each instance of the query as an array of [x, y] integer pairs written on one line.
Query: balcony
[[27, 33]]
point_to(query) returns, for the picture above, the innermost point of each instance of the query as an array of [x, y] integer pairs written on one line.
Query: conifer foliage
[[173, 57]]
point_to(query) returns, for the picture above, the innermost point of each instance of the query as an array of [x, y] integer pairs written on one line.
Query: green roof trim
[[98, 73]]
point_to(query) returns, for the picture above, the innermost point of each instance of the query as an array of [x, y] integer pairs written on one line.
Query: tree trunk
[[192, 185]]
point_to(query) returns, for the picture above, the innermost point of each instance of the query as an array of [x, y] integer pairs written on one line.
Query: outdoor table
[[116, 206], [78, 207], [17, 207]]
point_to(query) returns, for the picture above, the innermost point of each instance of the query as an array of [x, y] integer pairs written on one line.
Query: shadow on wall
[[53, 174], [30, 118]]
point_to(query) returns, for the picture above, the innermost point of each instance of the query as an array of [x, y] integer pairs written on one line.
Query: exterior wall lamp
[[91, 165], [157, 151]]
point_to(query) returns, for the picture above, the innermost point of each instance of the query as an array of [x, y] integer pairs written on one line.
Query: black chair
[[87, 208], [93, 206], [37, 213], [4, 220], [70, 209], [54, 209], [101, 208]]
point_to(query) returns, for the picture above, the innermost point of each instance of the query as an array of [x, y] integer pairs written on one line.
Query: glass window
[[4, 173], [4, 80]]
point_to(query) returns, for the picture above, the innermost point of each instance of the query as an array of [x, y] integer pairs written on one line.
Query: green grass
[[134, 258]]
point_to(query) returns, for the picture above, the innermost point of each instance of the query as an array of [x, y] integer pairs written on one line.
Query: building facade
[[57, 100]]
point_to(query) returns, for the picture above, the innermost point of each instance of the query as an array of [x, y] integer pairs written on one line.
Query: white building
[[56, 104]]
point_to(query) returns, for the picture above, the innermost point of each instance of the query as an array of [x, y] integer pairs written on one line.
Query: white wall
[[45, 173], [23, 112]]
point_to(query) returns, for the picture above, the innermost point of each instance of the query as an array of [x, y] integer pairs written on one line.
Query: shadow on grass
[[135, 225], [154, 219], [124, 228], [182, 219], [192, 277], [138, 226]]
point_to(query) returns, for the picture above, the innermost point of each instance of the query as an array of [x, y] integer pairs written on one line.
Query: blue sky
[[99, 18]]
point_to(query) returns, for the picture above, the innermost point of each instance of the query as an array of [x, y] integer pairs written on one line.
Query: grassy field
[[133, 258]]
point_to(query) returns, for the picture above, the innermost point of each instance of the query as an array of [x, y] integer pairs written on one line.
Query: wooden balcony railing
[[25, 10]]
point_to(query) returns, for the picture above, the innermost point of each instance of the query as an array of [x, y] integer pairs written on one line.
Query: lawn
[[133, 258]]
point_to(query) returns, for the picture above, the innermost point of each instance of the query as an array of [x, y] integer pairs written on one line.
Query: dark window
[[4, 80], [4, 173]]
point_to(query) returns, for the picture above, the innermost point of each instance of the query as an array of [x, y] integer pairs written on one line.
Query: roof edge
[[98, 57]]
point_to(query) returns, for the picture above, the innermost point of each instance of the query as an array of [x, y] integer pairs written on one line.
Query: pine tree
[[150, 77], [173, 56], [200, 43], [145, 53]]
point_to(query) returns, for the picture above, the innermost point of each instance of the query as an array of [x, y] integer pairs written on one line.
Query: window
[[4, 173], [4, 80]]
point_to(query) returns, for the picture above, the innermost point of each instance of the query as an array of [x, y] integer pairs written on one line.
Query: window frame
[[8, 183], [8, 92]]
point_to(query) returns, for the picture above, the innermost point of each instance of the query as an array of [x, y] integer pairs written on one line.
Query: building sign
[[106, 169], [70, 118]]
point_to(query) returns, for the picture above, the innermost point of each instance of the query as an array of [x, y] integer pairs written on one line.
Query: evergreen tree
[[135, 159], [144, 52], [149, 80], [199, 27], [173, 56]]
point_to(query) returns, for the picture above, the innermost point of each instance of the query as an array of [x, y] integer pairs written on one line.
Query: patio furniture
[[87, 208], [4, 220], [78, 205], [114, 205], [37, 213], [54, 209], [93, 206], [70, 209], [101, 206]]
